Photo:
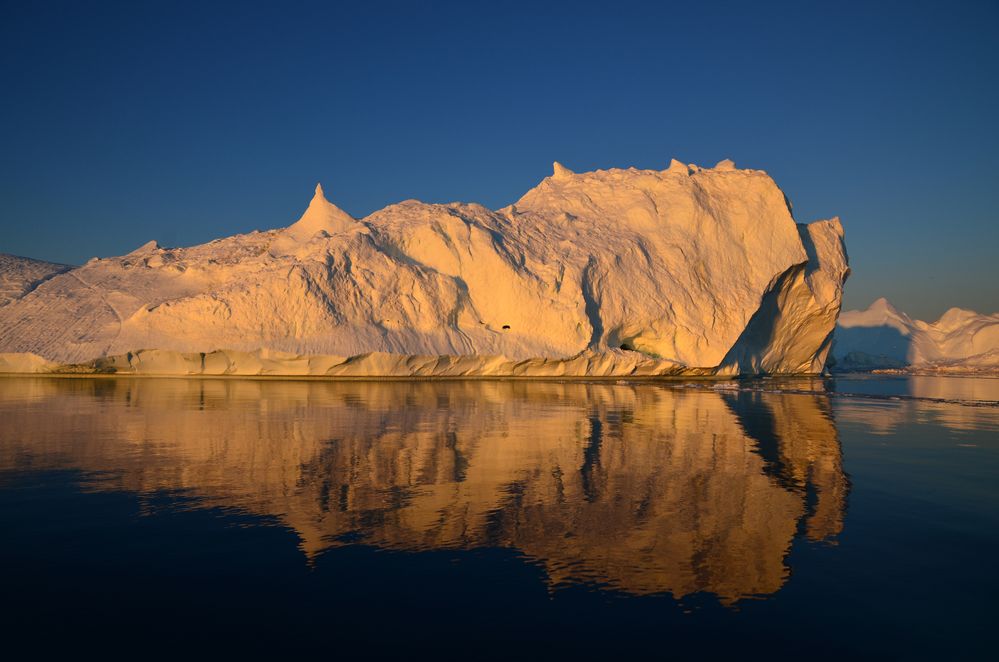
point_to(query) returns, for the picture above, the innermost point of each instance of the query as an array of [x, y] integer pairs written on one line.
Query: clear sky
[[124, 122]]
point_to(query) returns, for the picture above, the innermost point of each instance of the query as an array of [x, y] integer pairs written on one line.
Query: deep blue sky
[[120, 123]]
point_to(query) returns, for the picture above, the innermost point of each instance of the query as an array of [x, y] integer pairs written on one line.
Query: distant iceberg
[[882, 337]]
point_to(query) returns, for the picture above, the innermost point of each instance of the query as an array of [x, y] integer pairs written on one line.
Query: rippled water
[[496, 519]]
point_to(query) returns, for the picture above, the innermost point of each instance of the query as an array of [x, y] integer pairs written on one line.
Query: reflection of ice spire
[[311, 540]]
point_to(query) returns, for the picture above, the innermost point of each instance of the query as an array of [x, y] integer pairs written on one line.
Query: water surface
[[855, 516]]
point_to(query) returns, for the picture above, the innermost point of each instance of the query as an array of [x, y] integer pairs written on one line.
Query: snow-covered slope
[[685, 269], [883, 337], [20, 275]]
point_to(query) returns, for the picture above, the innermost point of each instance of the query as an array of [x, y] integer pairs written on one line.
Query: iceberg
[[882, 337], [619, 272]]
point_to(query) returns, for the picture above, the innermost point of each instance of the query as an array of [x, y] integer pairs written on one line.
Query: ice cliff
[[883, 337], [612, 272]]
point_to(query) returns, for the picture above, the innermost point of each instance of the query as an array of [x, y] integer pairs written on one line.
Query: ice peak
[[559, 171], [882, 303], [147, 247], [677, 166], [955, 316], [725, 164], [882, 307], [879, 313], [322, 215]]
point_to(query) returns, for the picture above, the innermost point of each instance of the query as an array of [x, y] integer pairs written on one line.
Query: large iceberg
[[615, 272]]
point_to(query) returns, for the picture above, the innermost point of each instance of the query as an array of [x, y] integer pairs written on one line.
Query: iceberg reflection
[[635, 488], [883, 404]]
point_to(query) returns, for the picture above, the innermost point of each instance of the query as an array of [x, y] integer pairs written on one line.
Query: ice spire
[[559, 171], [321, 216]]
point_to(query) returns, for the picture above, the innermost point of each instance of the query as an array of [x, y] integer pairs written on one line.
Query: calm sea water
[[819, 518]]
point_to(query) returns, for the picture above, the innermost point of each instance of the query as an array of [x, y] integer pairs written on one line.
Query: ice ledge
[[263, 362]]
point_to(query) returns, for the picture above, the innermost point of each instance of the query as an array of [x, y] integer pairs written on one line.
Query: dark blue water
[[147, 518]]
